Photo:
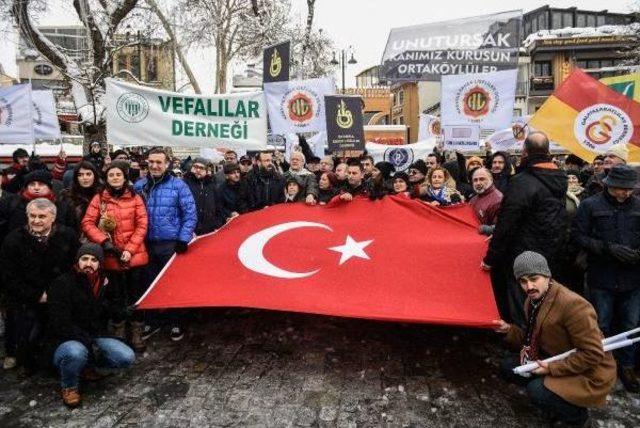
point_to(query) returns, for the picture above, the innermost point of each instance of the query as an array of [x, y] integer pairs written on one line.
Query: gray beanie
[[92, 249], [201, 161], [530, 263]]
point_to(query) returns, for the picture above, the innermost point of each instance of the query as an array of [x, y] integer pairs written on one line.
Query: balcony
[[541, 85]]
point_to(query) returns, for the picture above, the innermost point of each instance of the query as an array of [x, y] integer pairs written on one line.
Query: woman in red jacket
[[117, 219]]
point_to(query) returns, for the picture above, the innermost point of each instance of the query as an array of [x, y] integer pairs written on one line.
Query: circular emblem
[[132, 107], [435, 127], [400, 158], [601, 126], [43, 69], [519, 132], [476, 99], [300, 106]]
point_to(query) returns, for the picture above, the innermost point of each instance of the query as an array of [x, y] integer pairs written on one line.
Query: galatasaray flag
[[587, 117], [393, 259]]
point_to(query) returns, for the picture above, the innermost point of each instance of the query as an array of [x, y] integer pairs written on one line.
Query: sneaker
[[9, 363], [629, 379], [148, 331], [71, 397], [176, 334]]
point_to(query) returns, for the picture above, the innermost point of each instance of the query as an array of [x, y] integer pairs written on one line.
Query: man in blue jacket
[[607, 226], [172, 220]]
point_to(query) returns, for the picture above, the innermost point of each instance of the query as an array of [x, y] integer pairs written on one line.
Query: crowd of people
[[81, 243]]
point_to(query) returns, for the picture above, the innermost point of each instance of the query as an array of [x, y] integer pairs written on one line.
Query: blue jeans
[[72, 356], [544, 399], [621, 309]]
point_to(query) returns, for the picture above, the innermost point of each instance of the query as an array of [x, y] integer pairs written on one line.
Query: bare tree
[[102, 20], [176, 45], [311, 8]]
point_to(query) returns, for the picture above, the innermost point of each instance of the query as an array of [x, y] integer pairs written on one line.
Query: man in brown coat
[[558, 320]]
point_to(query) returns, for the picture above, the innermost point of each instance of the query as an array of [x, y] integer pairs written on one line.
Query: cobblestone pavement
[[257, 368]]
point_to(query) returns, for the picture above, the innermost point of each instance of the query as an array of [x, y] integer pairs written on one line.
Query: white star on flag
[[352, 248]]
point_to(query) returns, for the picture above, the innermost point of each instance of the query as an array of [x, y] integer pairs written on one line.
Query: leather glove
[[624, 254], [181, 247], [108, 247]]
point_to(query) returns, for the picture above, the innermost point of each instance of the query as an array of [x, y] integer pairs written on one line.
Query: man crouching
[[79, 310], [558, 320]]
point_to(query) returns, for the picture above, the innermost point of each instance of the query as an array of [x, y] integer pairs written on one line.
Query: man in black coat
[[30, 258], [234, 194], [266, 186], [532, 218], [81, 303], [205, 194], [607, 227], [37, 184]]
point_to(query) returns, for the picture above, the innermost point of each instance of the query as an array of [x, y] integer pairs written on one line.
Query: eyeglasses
[[413, 171]]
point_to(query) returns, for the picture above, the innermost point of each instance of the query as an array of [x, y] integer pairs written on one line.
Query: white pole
[[614, 342]]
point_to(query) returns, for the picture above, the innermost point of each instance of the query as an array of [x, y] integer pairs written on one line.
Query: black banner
[[276, 61], [345, 129], [481, 44]]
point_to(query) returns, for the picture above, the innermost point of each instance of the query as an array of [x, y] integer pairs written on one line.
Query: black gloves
[[181, 247], [108, 247], [624, 254]]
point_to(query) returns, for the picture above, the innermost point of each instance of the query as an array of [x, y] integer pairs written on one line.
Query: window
[[122, 62], [581, 20], [542, 21], [556, 20], [567, 19], [135, 65], [401, 120], [606, 63], [581, 63], [542, 68], [600, 20], [152, 69], [527, 28], [593, 63], [591, 20], [400, 97]]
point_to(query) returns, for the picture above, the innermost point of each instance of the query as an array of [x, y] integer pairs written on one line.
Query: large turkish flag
[[392, 259]]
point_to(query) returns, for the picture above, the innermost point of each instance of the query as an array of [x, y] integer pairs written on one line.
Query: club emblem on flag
[[132, 107], [300, 106], [6, 113], [601, 126], [476, 99], [400, 158], [344, 118], [435, 127], [276, 64]]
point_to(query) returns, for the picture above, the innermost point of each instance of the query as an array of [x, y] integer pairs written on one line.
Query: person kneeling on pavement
[[79, 309], [558, 320]]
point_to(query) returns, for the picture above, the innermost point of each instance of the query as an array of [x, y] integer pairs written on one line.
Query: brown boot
[[119, 330], [91, 374], [136, 336], [71, 397]]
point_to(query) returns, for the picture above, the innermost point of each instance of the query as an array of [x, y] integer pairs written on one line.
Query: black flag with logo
[[345, 129], [276, 60]]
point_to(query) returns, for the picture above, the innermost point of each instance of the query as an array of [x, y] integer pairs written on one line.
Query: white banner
[[462, 138], [401, 156], [138, 115], [484, 99], [510, 138], [45, 117], [429, 126], [297, 106], [16, 115]]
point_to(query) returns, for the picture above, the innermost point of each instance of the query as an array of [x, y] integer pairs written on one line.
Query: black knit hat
[[621, 176], [92, 249], [402, 176], [421, 166], [386, 169], [228, 168], [20, 153], [41, 175]]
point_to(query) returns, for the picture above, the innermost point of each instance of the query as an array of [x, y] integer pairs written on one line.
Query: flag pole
[[609, 344]]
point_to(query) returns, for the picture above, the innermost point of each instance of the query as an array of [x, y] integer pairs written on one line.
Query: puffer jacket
[[601, 221], [131, 227], [170, 208], [533, 215]]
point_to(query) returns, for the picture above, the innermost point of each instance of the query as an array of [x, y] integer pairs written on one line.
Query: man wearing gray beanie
[[557, 320]]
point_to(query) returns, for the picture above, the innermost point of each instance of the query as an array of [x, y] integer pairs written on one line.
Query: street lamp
[[343, 62]]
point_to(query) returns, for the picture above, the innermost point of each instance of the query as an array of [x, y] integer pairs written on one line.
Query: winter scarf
[[529, 352]]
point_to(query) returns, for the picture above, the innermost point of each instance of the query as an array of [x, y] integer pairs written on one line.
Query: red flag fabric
[[392, 259]]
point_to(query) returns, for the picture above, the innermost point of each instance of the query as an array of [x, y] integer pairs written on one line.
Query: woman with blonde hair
[[440, 188]]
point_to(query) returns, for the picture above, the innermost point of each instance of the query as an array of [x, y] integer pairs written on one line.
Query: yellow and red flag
[[587, 118]]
